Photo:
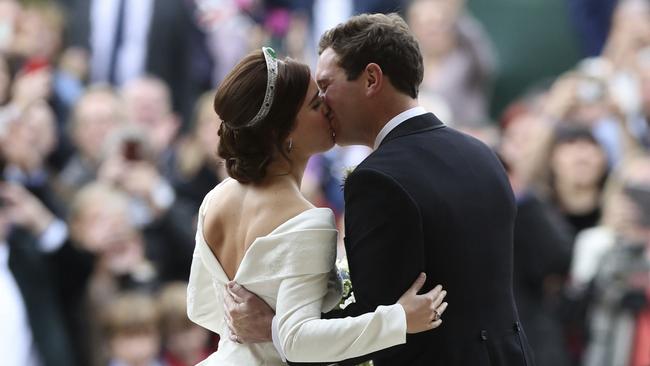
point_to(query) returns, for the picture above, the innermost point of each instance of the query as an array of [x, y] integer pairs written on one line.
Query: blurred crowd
[[108, 145]]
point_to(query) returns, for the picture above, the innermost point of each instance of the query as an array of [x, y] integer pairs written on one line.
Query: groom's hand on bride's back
[[423, 311], [249, 317]]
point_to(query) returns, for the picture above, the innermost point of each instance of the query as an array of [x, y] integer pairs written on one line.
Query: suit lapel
[[417, 124]]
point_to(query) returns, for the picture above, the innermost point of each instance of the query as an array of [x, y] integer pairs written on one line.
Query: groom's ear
[[374, 79]]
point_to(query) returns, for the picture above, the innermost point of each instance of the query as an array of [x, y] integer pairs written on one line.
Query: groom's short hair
[[382, 39]]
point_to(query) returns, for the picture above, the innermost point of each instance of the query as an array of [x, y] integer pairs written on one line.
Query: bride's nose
[[326, 110]]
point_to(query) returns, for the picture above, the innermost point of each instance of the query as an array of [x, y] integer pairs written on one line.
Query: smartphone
[[132, 150], [640, 195]]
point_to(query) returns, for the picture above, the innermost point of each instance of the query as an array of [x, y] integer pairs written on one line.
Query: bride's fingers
[[434, 292], [435, 324], [441, 309], [438, 299]]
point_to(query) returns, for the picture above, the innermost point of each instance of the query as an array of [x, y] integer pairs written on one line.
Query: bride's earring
[[290, 145]]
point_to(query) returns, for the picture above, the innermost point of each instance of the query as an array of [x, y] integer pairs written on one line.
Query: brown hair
[[382, 39], [173, 308], [248, 150], [131, 313]]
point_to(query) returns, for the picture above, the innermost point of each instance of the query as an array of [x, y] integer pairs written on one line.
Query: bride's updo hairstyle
[[258, 102]]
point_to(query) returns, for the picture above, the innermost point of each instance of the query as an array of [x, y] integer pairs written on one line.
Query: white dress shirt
[[396, 121], [131, 59], [16, 342]]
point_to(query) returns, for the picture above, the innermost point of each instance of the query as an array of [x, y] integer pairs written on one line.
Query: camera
[[132, 149], [590, 91], [640, 196]]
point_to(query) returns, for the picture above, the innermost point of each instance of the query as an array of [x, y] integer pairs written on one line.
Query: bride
[[258, 229]]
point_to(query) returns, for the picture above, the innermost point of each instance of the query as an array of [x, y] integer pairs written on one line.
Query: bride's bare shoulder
[[244, 212]]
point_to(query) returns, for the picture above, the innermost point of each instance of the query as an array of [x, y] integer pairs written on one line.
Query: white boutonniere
[[346, 173], [347, 297]]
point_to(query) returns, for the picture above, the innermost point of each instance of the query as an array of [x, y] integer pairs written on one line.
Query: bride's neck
[[281, 169]]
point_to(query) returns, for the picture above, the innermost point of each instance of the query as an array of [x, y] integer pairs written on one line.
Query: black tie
[[117, 42]]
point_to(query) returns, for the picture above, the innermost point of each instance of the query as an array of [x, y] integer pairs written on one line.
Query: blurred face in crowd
[[39, 119], [524, 144], [105, 229], [188, 343], [631, 20], [99, 214], [148, 105], [125, 251], [207, 127], [432, 22], [39, 31], [345, 99], [138, 349], [579, 162], [96, 116], [33, 137]]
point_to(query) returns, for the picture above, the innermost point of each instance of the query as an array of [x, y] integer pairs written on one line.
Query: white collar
[[396, 121]]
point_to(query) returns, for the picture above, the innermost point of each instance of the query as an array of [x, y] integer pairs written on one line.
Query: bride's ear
[[374, 78]]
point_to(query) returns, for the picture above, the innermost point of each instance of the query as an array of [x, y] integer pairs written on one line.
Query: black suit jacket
[[34, 278], [431, 199], [176, 50]]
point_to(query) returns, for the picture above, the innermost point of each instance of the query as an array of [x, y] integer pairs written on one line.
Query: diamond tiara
[[272, 75]]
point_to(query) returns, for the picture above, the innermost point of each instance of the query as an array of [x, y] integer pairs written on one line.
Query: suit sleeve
[[384, 240]]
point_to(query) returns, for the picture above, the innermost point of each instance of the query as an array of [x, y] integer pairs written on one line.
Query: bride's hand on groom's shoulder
[[423, 311]]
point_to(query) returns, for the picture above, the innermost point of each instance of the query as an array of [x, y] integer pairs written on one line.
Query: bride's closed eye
[[317, 104], [315, 101]]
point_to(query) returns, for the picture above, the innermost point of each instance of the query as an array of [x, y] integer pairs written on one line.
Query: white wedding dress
[[289, 269]]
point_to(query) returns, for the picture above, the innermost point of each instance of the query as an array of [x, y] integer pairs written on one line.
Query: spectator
[[578, 170], [184, 342], [611, 266], [98, 113], [198, 168], [33, 328], [32, 139], [128, 39], [148, 106], [458, 57], [130, 323]]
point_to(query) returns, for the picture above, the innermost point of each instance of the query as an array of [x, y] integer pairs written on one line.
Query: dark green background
[[534, 41]]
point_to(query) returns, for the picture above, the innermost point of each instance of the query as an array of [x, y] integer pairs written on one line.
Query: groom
[[428, 199]]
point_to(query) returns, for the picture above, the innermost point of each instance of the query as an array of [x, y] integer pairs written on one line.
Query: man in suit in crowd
[[33, 331], [126, 39], [428, 199]]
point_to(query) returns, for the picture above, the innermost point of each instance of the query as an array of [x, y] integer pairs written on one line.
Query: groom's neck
[[387, 110]]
